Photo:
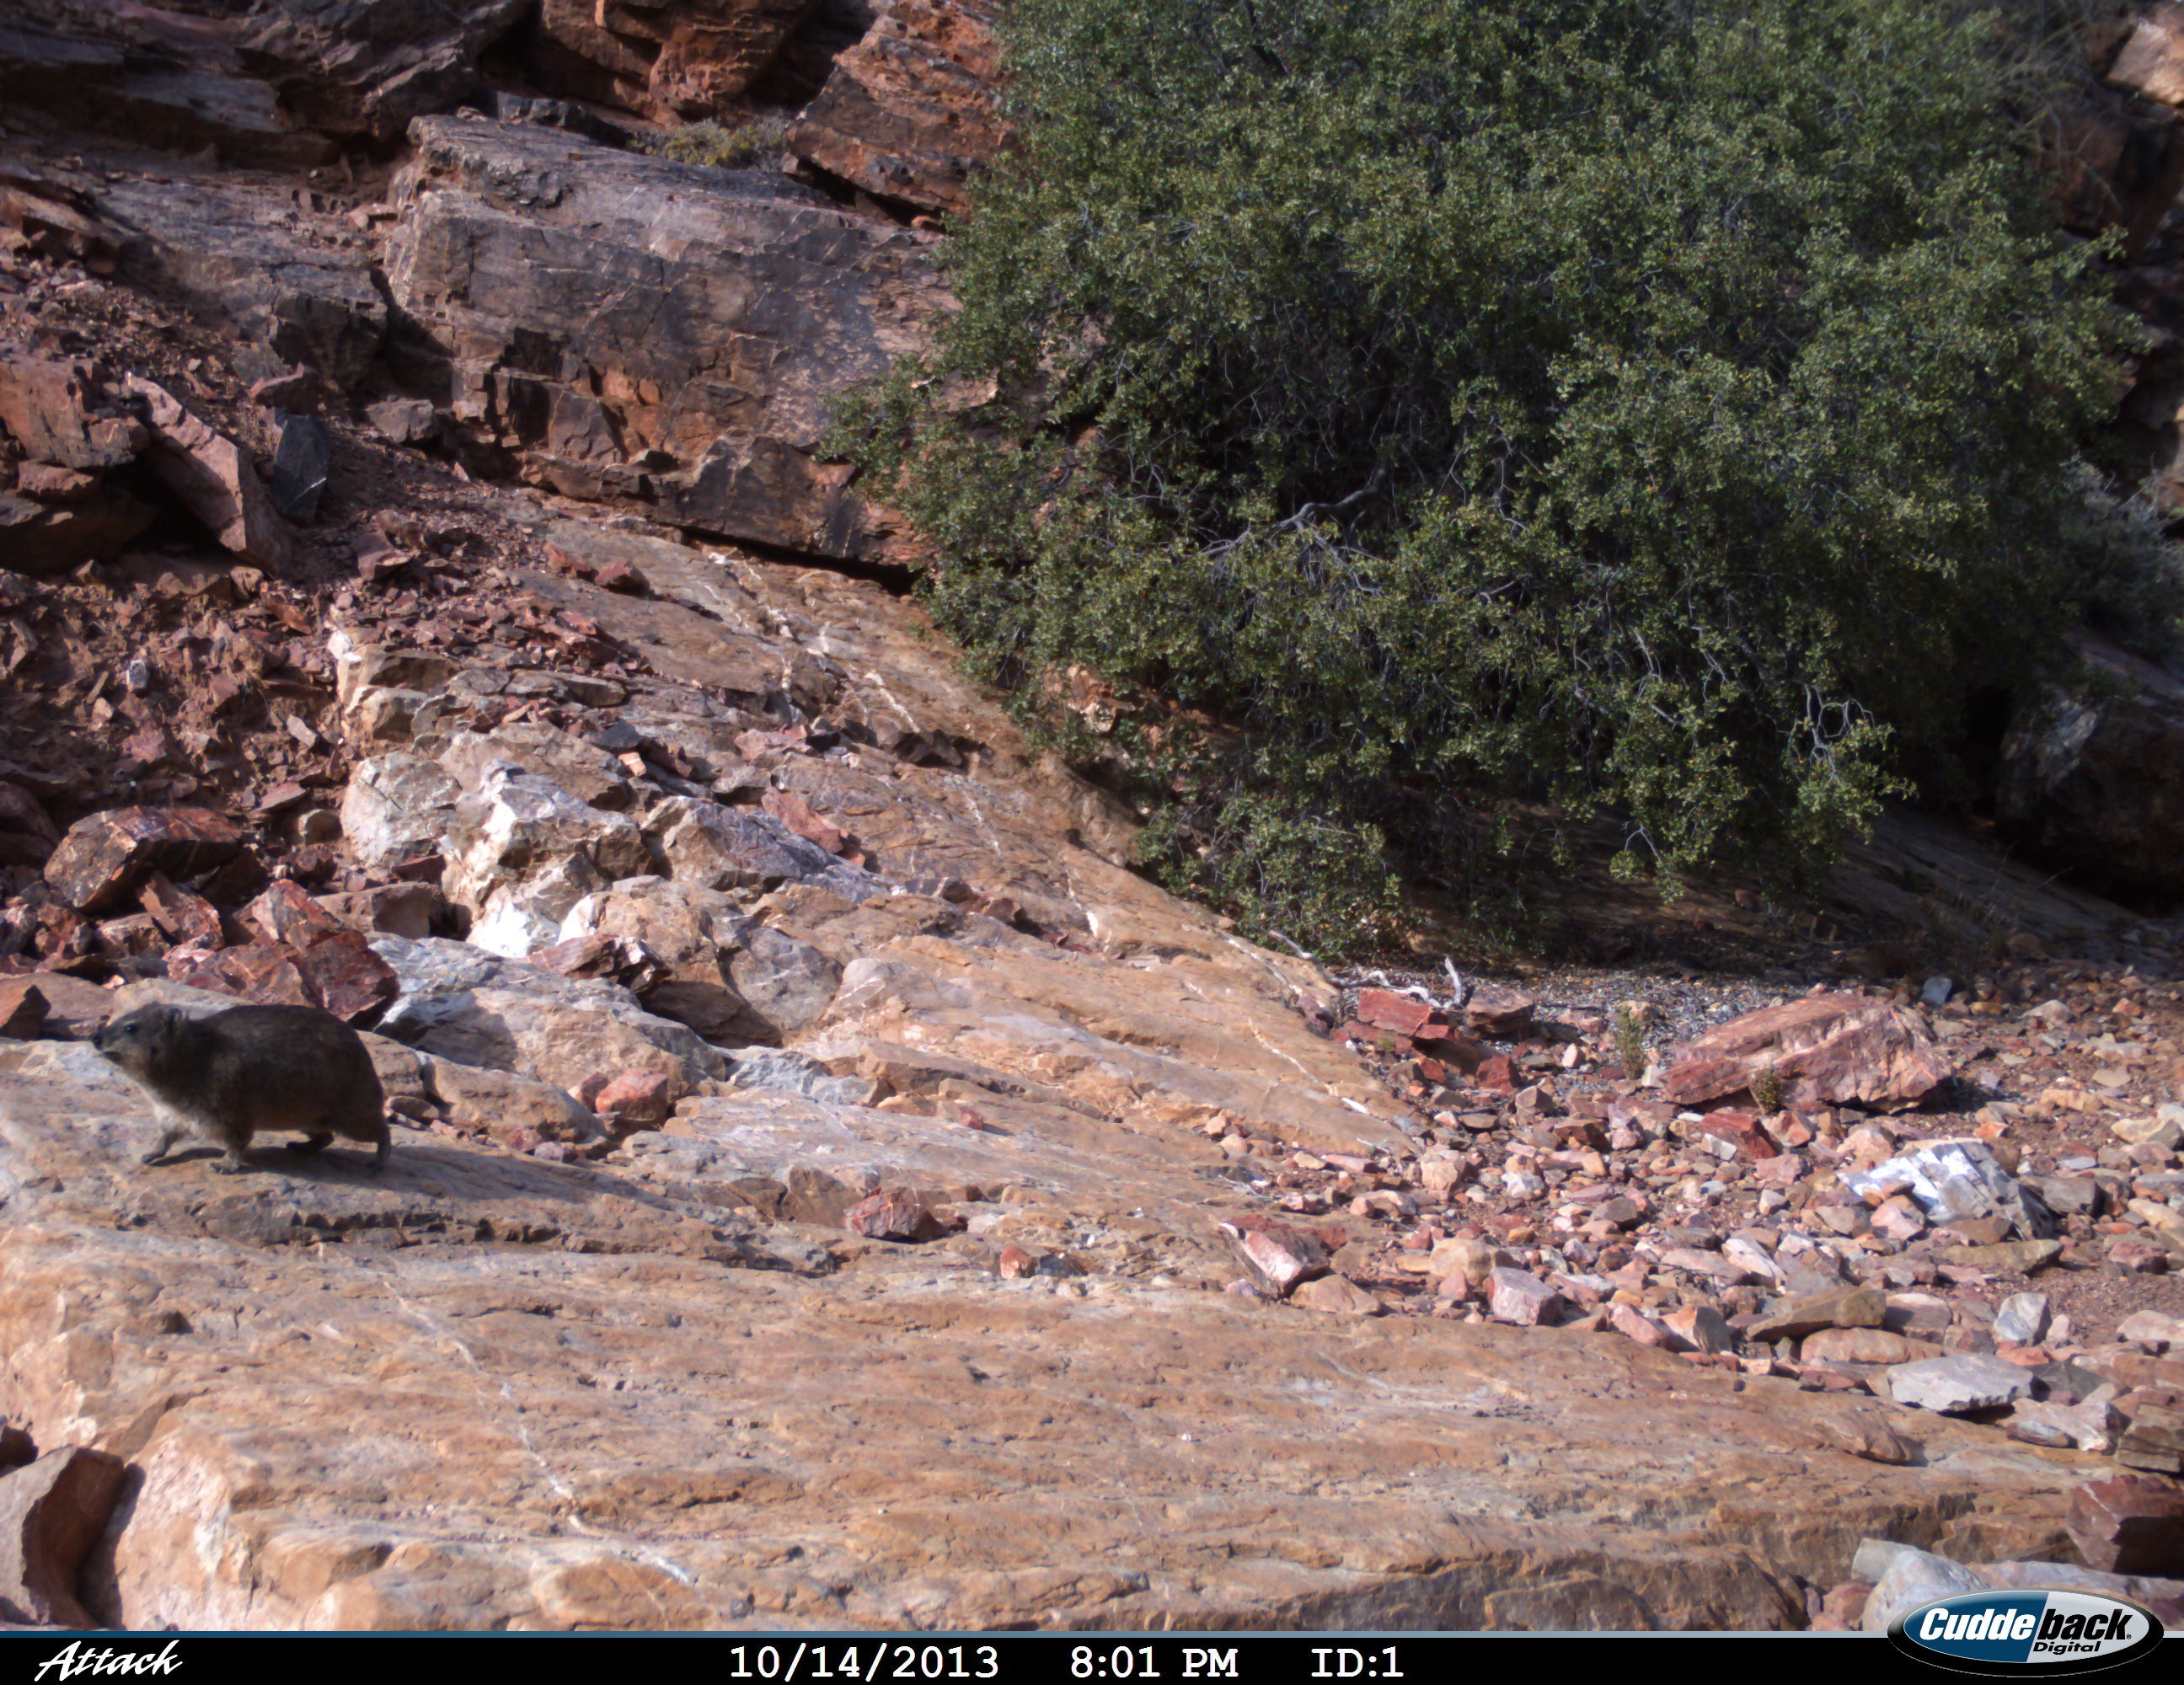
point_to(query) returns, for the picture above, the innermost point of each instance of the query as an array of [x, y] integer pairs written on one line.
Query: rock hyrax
[[227, 1075]]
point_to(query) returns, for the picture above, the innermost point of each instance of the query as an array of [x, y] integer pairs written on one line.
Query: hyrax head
[[135, 1039]]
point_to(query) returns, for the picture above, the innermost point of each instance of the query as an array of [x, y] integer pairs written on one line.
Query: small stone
[[2153, 1440], [51, 1514], [403, 420], [2132, 1523], [2083, 1427], [1959, 1385], [2153, 1329], [891, 1214], [105, 857], [1016, 1263], [23, 1010], [1866, 1435], [1520, 1297], [1699, 1328], [1911, 1577], [1637, 1325], [2016, 1257], [1281, 1257], [301, 463], [1502, 1015], [1336, 1297], [2022, 1319], [638, 1099], [1865, 1345], [1793, 1319]]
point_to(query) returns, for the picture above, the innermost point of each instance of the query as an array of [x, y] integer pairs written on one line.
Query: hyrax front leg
[[235, 1137], [171, 1130]]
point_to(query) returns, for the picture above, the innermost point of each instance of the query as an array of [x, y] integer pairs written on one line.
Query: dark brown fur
[[226, 1076]]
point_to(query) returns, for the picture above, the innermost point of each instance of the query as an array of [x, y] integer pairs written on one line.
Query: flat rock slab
[[1957, 1385], [578, 1396]]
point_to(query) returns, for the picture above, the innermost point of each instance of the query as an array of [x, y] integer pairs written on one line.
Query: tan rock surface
[[487, 1391], [669, 1388]]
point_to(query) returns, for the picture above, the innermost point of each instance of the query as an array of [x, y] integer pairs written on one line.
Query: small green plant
[[1768, 1089], [717, 148], [1630, 1042]]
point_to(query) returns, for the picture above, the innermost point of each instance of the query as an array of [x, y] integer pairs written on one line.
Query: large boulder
[[366, 67], [1829, 1049], [910, 110], [465, 1005], [663, 59], [655, 333]]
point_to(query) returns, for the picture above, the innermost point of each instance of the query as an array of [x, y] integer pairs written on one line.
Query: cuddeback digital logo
[[2026, 1632]]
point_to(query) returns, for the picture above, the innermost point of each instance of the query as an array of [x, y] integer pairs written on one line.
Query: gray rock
[[1905, 1578], [404, 420], [1958, 1179], [301, 463], [2023, 1319], [1955, 1385], [231, 250], [397, 807], [462, 1003], [780, 1071]]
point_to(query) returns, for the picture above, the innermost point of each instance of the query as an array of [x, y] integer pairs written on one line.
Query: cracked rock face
[[655, 333]]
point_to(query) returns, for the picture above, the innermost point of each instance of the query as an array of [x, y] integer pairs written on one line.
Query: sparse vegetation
[[718, 147], [1630, 1042], [1667, 412], [1768, 1089]]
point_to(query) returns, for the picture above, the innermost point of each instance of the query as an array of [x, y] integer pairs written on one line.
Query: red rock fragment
[[793, 811], [104, 858], [892, 1214], [349, 980], [2132, 1524], [1278, 1255], [638, 1099], [1334, 1296], [1699, 1328], [1016, 1263], [1497, 1074], [1504, 1015], [1742, 1130], [212, 477], [1638, 1327], [58, 413], [51, 1514], [23, 1010], [1830, 1050], [286, 914], [1400, 1012]]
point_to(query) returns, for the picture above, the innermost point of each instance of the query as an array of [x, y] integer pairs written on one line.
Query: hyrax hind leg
[[377, 1135]]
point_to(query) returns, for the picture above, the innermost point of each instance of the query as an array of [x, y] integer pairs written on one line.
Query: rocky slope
[[835, 1190]]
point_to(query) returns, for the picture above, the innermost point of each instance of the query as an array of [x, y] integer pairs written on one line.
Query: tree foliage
[[1668, 408]]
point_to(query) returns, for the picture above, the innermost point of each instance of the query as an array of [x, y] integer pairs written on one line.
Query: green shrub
[[1669, 410]]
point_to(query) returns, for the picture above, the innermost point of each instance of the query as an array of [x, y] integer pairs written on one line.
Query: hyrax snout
[[227, 1075]]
